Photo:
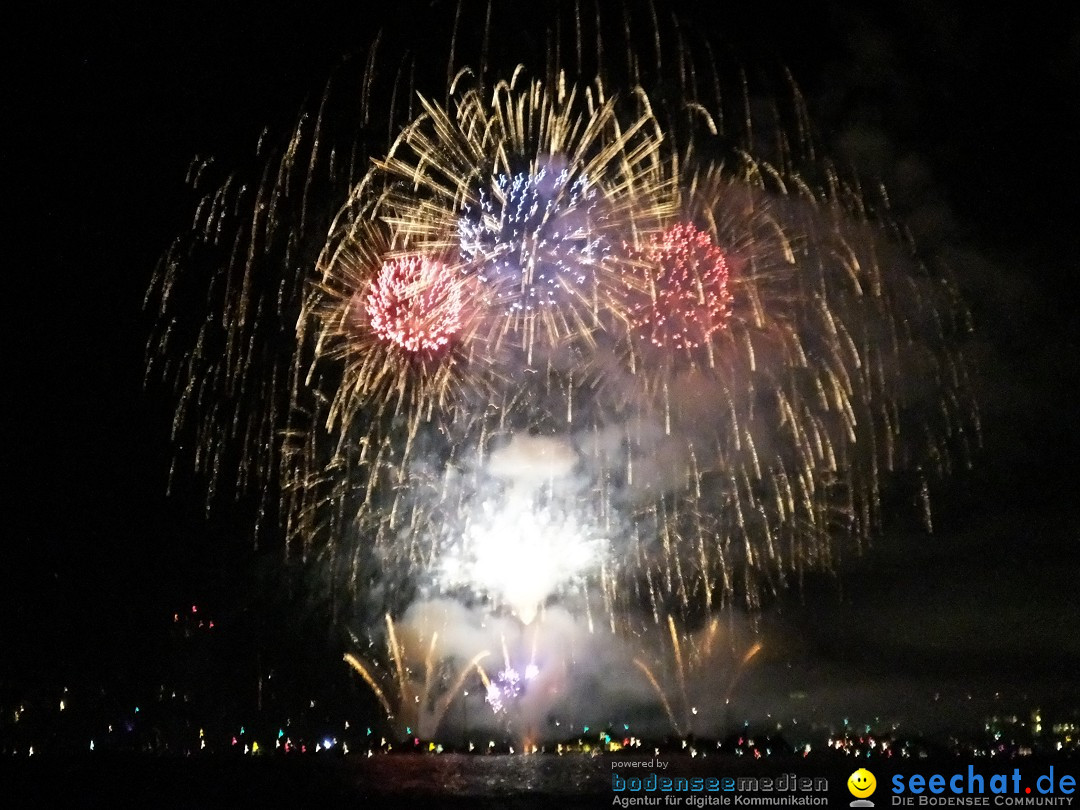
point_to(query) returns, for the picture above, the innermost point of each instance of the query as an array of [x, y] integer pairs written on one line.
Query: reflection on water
[[399, 781], [481, 776]]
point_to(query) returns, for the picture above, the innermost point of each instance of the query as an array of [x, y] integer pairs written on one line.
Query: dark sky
[[970, 116]]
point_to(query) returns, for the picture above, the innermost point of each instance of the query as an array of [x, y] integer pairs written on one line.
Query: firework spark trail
[[418, 704], [703, 660], [371, 681], [734, 355]]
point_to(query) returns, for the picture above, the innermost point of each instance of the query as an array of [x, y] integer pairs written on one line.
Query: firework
[[687, 280], [505, 687], [534, 187], [416, 696], [414, 303], [534, 241], [701, 655], [727, 355], [519, 556]]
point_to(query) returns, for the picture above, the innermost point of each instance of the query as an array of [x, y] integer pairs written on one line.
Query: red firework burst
[[687, 279], [415, 303]]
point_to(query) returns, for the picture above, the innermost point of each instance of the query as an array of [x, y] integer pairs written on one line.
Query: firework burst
[[686, 276], [534, 242], [728, 398], [415, 303], [534, 188]]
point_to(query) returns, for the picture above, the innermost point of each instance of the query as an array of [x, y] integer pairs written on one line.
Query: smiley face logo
[[861, 783]]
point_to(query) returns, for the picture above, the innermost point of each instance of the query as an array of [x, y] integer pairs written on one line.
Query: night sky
[[970, 118]]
